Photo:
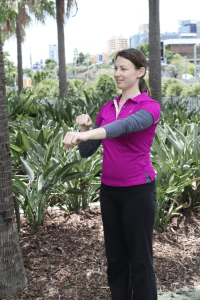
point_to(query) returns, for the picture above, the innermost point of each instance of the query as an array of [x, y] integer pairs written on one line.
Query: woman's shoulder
[[148, 100]]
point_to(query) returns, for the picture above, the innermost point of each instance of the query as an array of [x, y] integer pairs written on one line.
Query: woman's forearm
[[96, 134]]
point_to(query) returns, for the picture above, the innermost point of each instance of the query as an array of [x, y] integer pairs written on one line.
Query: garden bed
[[66, 258]]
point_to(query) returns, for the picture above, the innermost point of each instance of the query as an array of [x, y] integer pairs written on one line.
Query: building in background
[[198, 31], [104, 57], [143, 29], [117, 43], [53, 52], [38, 65], [184, 47], [188, 29]]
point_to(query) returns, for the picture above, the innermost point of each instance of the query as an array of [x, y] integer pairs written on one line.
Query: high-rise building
[[53, 52], [188, 29], [143, 29], [117, 43]]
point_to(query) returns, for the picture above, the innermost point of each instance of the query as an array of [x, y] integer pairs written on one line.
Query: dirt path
[[66, 259]]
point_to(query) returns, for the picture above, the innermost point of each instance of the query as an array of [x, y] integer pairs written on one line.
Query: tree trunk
[[19, 57], [154, 51], [61, 49], [12, 272]]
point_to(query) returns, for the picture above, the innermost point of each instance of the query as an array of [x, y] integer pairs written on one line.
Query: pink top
[[126, 158]]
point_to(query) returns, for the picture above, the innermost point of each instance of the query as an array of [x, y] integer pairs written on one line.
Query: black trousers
[[128, 215]]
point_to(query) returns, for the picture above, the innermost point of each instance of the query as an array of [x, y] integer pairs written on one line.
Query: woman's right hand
[[84, 121]]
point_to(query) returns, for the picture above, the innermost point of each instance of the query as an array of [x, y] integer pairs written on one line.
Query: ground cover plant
[[42, 169]]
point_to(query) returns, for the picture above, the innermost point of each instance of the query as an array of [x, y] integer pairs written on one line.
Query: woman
[[128, 191]]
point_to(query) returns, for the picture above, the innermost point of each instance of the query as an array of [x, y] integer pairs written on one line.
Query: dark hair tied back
[[139, 61]]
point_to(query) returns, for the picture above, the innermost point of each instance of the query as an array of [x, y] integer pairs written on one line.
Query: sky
[[95, 23]]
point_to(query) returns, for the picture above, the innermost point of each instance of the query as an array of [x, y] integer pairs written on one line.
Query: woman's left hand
[[74, 138]]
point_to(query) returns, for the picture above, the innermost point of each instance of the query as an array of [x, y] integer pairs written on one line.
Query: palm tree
[[39, 8], [154, 51], [60, 12], [13, 277]]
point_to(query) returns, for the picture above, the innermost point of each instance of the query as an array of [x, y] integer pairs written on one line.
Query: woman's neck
[[129, 94]]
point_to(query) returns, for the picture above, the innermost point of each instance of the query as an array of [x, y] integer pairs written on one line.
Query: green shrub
[[186, 92], [174, 89], [47, 88], [195, 90], [166, 83], [75, 87], [90, 91], [147, 80], [106, 66], [105, 84]]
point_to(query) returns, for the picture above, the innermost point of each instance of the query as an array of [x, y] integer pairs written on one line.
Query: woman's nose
[[117, 73]]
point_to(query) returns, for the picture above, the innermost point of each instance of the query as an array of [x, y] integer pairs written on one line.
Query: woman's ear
[[142, 71]]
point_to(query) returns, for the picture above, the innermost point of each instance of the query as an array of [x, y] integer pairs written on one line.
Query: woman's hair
[[139, 60]]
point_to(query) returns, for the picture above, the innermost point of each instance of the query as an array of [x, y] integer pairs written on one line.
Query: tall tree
[[60, 13], [12, 273], [154, 51], [39, 8]]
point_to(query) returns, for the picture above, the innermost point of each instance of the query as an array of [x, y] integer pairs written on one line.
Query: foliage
[[167, 82], [70, 69], [174, 89], [147, 80], [76, 87], [81, 57], [144, 48], [190, 68], [168, 54], [44, 174], [26, 71], [47, 88], [112, 57], [39, 76], [186, 91], [20, 105], [50, 64], [175, 155], [195, 91], [105, 83], [179, 62], [10, 70]]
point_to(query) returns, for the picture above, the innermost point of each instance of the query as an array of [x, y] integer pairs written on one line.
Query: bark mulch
[[66, 258]]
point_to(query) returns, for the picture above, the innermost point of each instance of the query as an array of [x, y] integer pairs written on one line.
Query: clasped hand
[[74, 138]]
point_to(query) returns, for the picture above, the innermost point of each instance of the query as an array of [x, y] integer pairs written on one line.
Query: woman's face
[[126, 76]]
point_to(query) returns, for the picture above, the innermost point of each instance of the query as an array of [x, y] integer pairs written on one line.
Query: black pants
[[128, 217]]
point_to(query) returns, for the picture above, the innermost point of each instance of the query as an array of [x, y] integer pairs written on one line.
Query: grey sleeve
[[135, 122], [89, 147]]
